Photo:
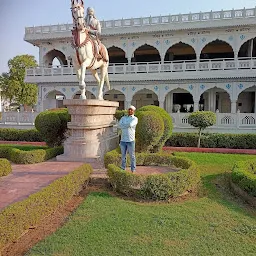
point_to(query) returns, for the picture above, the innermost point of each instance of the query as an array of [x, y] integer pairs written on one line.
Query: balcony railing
[[146, 21], [224, 120], [155, 67]]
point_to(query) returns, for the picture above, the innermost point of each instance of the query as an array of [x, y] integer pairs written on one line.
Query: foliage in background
[[213, 140], [52, 126], [201, 120], [12, 84], [12, 134]]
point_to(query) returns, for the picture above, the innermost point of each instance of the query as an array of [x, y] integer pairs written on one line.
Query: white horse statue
[[85, 53]]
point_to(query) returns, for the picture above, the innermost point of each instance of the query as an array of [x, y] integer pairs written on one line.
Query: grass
[[23, 147], [215, 224]]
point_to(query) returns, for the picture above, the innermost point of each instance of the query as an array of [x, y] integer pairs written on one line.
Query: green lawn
[[23, 147], [214, 224]]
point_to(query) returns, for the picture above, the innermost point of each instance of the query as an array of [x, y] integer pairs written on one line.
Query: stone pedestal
[[91, 130]]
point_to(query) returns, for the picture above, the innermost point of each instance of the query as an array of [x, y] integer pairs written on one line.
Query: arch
[[116, 95], [180, 51], [146, 53], [248, 48], [179, 99], [216, 98], [246, 100], [51, 55], [117, 55], [53, 99], [217, 49], [145, 97]]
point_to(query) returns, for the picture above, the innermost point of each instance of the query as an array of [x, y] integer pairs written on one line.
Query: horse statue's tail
[[107, 81]]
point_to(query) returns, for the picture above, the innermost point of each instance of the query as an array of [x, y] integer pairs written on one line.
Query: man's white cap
[[132, 107]]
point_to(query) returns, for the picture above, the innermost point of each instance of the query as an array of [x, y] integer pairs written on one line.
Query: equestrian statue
[[89, 52]]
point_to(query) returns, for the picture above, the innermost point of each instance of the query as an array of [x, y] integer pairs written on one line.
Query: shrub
[[149, 130], [201, 120], [29, 157], [213, 140], [5, 167], [19, 217], [52, 125], [244, 175], [168, 126], [11, 134], [120, 113], [160, 186]]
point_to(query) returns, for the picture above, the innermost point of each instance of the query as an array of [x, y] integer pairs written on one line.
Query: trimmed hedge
[[120, 113], [157, 186], [168, 126], [11, 134], [5, 167], [19, 217], [213, 140], [244, 175], [29, 157]]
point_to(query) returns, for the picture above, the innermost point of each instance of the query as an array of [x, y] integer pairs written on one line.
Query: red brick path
[[28, 179]]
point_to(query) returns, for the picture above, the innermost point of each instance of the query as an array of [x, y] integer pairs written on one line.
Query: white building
[[183, 63]]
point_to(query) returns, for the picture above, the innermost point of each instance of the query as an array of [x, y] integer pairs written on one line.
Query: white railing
[[224, 120], [146, 21], [18, 118], [155, 67]]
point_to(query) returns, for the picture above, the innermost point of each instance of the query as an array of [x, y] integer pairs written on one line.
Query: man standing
[[128, 125]]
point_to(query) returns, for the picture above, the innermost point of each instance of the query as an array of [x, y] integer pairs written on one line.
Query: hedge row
[[5, 167], [244, 175], [29, 157], [19, 217], [213, 140], [159, 186], [11, 134]]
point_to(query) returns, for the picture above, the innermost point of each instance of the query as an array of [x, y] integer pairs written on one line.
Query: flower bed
[[156, 186]]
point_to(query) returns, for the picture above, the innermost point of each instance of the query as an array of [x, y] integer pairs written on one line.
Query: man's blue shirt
[[128, 125]]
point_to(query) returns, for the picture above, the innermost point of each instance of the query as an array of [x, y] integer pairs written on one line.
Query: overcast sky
[[15, 15]]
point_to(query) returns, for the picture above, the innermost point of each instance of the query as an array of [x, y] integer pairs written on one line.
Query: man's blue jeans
[[130, 147]]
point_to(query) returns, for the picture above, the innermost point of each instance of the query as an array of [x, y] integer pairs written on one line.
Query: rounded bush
[[149, 130], [202, 119], [5, 167], [168, 126], [52, 125]]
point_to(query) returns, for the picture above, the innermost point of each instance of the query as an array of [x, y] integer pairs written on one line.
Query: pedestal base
[[91, 129]]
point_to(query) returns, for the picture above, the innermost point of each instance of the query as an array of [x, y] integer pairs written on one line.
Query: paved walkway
[[28, 179]]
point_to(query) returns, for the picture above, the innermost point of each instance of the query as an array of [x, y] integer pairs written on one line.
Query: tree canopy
[[12, 85]]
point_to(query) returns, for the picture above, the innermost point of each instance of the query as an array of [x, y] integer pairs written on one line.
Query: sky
[[15, 15]]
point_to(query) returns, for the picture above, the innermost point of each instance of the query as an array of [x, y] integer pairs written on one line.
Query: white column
[[128, 104], [0, 102], [196, 106], [255, 102], [161, 104], [233, 106]]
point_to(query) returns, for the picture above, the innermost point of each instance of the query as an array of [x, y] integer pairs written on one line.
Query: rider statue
[[93, 24]]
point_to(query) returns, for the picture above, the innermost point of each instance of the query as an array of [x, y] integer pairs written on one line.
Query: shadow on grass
[[217, 188]]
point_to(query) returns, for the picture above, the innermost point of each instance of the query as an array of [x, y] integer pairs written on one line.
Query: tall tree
[[12, 83]]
